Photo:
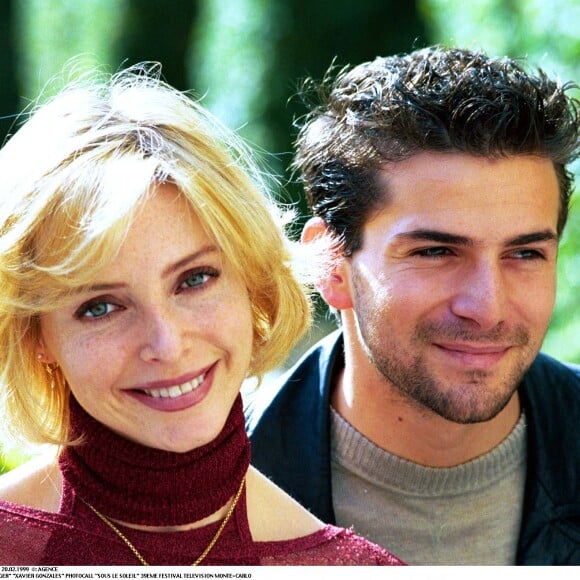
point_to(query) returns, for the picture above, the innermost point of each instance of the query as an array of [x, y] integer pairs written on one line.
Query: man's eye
[[434, 252], [528, 254]]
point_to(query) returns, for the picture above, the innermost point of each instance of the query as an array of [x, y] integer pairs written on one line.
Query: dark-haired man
[[440, 188]]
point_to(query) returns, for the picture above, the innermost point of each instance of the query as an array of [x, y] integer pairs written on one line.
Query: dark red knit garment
[[127, 481], [141, 485]]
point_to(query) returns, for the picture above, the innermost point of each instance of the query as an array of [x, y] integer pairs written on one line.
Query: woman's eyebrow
[[171, 269], [188, 259], [104, 287]]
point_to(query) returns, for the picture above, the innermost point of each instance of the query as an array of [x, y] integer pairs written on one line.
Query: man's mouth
[[474, 349], [474, 356]]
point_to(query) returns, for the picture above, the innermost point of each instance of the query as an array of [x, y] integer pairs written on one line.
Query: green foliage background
[[245, 59]]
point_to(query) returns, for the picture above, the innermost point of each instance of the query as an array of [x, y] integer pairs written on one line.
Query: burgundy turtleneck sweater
[[141, 485], [138, 484]]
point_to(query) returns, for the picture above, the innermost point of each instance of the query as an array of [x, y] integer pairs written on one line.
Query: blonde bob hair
[[72, 178]]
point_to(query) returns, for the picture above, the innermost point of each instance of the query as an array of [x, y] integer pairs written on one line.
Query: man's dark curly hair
[[435, 99]]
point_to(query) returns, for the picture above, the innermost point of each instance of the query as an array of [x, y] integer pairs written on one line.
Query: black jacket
[[289, 426]]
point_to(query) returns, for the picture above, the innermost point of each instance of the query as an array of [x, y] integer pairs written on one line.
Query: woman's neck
[[150, 488]]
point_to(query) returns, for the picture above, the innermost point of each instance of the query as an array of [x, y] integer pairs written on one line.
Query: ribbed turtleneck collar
[[141, 485]]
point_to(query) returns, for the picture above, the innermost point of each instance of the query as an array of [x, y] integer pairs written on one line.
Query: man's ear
[[332, 279]]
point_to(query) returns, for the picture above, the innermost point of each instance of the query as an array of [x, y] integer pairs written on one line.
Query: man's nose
[[481, 294]]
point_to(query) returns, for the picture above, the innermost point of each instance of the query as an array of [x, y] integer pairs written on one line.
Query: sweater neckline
[[352, 450], [137, 484]]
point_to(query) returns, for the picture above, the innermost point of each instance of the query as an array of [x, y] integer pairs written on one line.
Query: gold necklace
[[203, 554]]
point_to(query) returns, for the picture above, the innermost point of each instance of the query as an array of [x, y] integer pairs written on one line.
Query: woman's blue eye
[[96, 310], [195, 279]]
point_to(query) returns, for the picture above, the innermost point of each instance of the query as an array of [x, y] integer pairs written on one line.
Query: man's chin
[[466, 410]]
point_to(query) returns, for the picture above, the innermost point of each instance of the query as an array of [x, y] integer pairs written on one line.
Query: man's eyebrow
[[441, 237], [533, 238], [435, 236]]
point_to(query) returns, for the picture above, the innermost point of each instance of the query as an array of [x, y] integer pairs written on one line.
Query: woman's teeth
[[177, 391]]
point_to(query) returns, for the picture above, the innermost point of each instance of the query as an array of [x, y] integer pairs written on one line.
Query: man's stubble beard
[[470, 400]]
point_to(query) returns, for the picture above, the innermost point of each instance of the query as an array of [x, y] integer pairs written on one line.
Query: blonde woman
[[143, 277]]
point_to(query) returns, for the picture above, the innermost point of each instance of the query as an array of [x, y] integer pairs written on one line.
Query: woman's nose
[[163, 337]]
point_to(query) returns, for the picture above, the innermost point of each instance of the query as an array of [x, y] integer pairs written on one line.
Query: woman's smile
[[176, 397]]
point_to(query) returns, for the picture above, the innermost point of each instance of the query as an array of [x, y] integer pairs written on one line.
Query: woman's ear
[[332, 277], [43, 354]]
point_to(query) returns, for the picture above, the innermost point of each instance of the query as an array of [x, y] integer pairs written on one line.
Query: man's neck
[[389, 419]]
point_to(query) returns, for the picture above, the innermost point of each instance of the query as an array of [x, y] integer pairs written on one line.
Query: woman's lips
[[173, 395], [176, 390]]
